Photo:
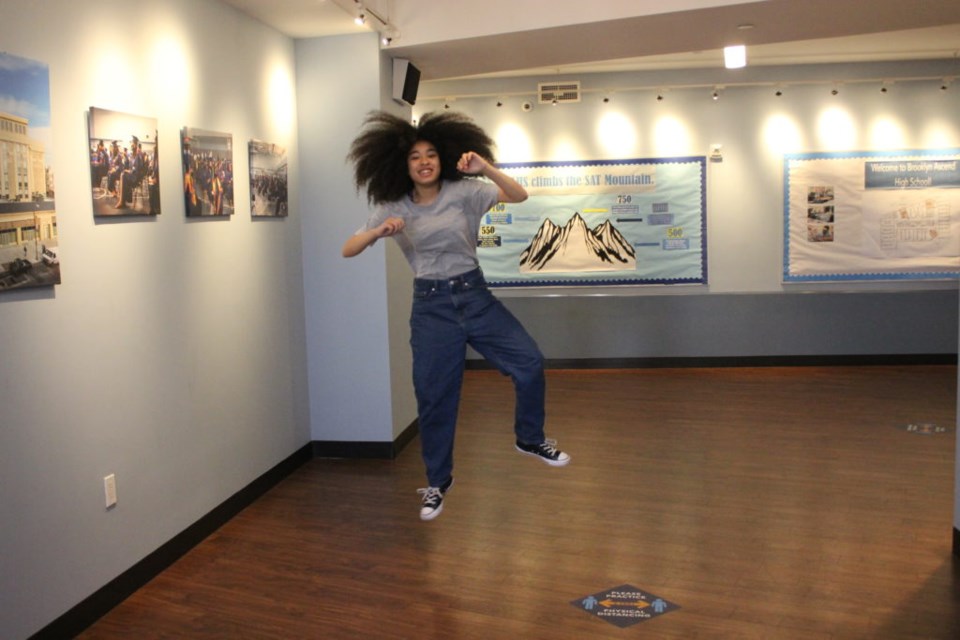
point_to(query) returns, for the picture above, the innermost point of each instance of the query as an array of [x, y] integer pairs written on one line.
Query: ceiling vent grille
[[559, 92]]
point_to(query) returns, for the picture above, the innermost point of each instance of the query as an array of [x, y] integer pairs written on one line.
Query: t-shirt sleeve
[[483, 197], [377, 216]]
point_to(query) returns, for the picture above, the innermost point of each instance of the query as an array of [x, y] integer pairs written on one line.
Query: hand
[[389, 227], [471, 163]]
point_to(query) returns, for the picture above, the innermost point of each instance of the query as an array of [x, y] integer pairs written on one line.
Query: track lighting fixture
[[361, 19], [716, 91]]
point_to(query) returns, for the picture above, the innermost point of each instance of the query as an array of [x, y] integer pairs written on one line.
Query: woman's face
[[423, 161]]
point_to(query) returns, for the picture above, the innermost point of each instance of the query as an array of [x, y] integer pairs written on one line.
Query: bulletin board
[[612, 222], [872, 216]]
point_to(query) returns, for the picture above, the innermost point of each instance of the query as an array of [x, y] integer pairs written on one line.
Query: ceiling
[[782, 32]]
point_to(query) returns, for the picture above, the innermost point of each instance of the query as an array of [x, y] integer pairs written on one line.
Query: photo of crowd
[[268, 180], [207, 173], [124, 165]]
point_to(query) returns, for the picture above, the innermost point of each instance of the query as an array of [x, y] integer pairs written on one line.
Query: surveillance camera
[[526, 106]]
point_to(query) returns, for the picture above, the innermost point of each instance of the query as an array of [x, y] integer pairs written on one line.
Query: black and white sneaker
[[546, 451], [431, 500]]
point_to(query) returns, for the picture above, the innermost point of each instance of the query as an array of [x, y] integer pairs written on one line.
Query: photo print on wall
[[207, 173], [124, 167], [268, 180], [29, 254]]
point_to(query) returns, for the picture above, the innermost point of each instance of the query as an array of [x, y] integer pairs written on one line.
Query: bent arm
[[358, 242], [509, 189]]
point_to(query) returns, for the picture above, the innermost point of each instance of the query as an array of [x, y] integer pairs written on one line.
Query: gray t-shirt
[[439, 240]]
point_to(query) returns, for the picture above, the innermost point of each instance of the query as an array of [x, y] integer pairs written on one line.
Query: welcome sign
[[872, 216]]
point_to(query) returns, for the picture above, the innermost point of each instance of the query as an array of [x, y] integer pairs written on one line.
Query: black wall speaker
[[406, 81]]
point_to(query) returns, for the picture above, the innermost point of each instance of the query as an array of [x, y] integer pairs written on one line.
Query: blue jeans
[[448, 315]]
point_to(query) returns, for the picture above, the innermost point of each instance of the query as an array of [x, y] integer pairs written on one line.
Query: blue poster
[[29, 240], [613, 222]]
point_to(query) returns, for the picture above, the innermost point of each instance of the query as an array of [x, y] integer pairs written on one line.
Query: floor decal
[[925, 429], [624, 605]]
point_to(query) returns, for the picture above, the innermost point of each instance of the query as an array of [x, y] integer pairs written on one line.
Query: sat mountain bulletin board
[[610, 222]]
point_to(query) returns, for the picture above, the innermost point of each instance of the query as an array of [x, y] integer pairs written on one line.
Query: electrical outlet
[[110, 490]]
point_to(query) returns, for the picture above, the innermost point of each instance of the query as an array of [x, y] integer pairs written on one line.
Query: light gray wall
[[172, 353], [355, 315], [744, 310]]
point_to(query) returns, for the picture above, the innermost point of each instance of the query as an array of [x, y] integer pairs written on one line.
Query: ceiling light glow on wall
[[735, 56]]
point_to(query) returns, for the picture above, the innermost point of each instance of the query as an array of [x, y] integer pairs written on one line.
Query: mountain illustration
[[575, 247]]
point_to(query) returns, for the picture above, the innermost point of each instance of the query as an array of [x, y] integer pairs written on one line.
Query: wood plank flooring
[[773, 503]]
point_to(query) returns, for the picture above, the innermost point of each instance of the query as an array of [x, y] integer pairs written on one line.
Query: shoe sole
[[552, 463], [433, 514]]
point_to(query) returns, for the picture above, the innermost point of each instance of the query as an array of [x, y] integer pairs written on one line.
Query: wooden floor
[[773, 503]]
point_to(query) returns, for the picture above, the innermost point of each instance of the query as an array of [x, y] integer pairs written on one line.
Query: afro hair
[[379, 153]]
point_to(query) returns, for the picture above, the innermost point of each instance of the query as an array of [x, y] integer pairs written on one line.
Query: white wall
[[744, 310], [172, 353], [344, 300], [755, 127]]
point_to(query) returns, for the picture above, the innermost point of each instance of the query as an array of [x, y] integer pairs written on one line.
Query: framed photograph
[[124, 168], [207, 173], [268, 180], [29, 254]]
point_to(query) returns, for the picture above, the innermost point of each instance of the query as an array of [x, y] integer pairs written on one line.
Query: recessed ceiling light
[[735, 56]]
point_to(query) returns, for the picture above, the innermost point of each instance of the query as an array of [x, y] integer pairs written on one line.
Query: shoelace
[[430, 495], [549, 447]]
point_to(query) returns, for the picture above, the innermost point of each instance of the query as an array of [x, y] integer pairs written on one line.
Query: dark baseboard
[[120, 588], [738, 361], [365, 450], [94, 607]]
